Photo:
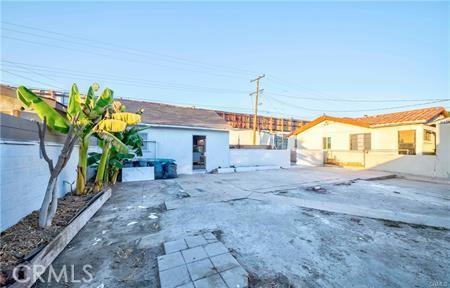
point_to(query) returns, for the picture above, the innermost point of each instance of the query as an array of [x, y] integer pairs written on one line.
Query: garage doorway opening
[[199, 152]]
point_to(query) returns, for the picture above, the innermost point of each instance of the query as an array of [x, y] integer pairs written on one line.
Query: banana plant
[[106, 130], [94, 109], [72, 124], [131, 138]]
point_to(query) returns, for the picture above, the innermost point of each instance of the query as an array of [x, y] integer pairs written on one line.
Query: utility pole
[[255, 117]]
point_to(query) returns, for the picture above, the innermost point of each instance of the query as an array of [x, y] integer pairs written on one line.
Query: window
[[280, 142], [326, 143], [429, 143], [407, 142], [428, 135], [360, 142], [145, 147]]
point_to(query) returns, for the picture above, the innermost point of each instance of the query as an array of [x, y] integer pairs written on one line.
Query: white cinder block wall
[[176, 143], [24, 176], [260, 157]]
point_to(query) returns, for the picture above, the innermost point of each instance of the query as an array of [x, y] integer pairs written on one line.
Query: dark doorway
[[199, 149]]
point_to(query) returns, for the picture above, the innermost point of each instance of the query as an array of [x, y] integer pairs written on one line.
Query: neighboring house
[[370, 141], [197, 139], [9, 104]]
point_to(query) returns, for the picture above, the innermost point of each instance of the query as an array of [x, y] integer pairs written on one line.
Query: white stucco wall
[[384, 151], [310, 157], [384, 138], [176, 143], [24, 176], [259, 157]]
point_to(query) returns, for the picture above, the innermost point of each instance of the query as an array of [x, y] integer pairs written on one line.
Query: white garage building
[[197, 139]]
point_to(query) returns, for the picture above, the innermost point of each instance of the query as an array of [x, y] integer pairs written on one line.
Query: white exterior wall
[[176, 143], [384, 148], [24, 177], [260, 157], [424, 165], [384, 138], [443, 150]]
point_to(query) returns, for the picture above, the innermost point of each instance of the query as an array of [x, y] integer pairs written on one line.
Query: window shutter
[[354, 142], [367, 141]]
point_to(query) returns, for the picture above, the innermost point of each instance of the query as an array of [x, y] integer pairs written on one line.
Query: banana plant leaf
[[101, 103], [74, 106], [125, 155], [93, 158], [115, 142], [132, 139], [90, 98], [116, 163], [55, 121]]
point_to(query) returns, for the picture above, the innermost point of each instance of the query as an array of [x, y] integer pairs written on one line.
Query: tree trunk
[[50, 202], [45, 216], [54, 204], [114, 176], [102, 167], [82, 166]]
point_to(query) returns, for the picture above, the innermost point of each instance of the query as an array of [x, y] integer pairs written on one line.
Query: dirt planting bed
[[23, 240]]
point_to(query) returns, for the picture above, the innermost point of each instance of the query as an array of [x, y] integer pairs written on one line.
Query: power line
[[111, 57], [34, 72], [361, 110], [109, 44], [119, 49], [355, 100], [69, 74], [197, 105], [30, 79], [321, 96], [173, 59]]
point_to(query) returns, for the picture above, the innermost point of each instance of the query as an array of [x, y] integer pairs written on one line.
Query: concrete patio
[[306, 227]]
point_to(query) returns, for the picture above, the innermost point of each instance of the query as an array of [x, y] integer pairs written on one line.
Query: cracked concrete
[[273, 238]]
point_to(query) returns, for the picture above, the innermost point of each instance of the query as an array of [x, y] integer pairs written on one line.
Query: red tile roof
[[418, 116], [414, 116]]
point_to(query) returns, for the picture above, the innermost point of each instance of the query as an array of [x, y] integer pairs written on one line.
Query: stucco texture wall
[[176, 143]]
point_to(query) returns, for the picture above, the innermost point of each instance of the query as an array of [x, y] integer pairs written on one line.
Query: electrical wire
[[355, 100], [128, 52], [61, 74], [30, 79], [361, 110], [115, 58]]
